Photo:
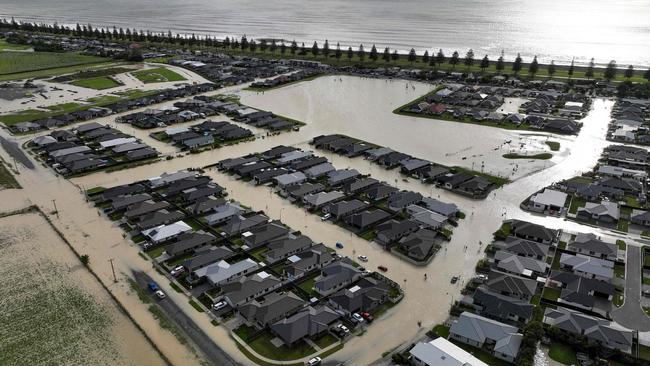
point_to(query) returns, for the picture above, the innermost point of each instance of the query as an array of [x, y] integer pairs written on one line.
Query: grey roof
[[313, 257], [335, 274], [301, 190], [160, 217], [590, 243], [447, 209], [247, 288], [419, 243], [441, 352], [342, 208], [527, 229], [290, 178], [281, 248], [129, 147], [365, 295], [401, 199], [500, 306], [590, 265], [479, 329], [223, 212], [505, 283], [204, 257], [68, 151], [307, 322], [121, 202], [321, 198], [272, 308], [222, 271], [426, 217], [189, 241], [341, 175], [605, 208], [238, 224], [367, 218], [606, 333], [525, 247], [167, 178], [581, 290], [513, 263], [261, 235]]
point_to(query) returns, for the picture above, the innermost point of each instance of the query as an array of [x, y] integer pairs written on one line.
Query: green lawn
[[541, 156], [263, 346], [325, 340], [623, 225], [551, 294], [196, 306], [621, 244], [157, 75], [441, 330], [308, 286], [10, 46], [553, 145], [22, 62], [7, 179], [98, 83], [619, 270], [563, 354], [576, 203], [156, 252]]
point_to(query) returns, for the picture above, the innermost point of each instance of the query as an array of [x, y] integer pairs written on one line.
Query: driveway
[[213, 353], [631, 315]]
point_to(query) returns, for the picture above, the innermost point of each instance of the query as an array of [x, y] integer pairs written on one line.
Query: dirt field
[[54, 312]]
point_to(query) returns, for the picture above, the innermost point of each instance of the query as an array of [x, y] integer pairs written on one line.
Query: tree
[[501, 65], [551, 69], [294, 47], [350, 53], [425, 57], [252, 45], [326, 49], [283, 48], [533, 68], [244, 43], [314, 49], [85, 259], [629, 72], [373, 53], [361, 53], [412, 55], [610, 71], [440, 57], [572, 68], [516, 66], [469, 58], [263, 45], [386, 55], [338, 52], [395, 55], [485, 63], [646, 75], [453, 61], [590, 69], [274, 46], [303, 50]]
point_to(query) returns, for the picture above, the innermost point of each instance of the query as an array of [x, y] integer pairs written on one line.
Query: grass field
[[23, 62], [7, 180], [10, 46], [98, 83], [542, 156], [553, 145], [157, 75], [562, 354]]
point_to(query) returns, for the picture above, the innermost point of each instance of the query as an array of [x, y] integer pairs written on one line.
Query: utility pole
[[15, 163], [113, 269], [56, 211]]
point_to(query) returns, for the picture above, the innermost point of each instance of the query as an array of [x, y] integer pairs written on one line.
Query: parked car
[[363, 258], [343, 329], [382, 268], [454, 279], [177, 271], [646, 293], [160, 294], [357, 318], [146, 246], [481, 278], [367, 316], [220, 305], [339, 245], [314, 361], [153, 286], [326, 217]]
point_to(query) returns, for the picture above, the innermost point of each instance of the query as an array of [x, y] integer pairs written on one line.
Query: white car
[[357, 318], [160, 294], [177, 271], [343, 328], [326, 217], [220, 305], [363, 258], [314, 361]]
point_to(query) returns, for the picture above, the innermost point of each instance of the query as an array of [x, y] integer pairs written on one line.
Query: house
[[359, 185], [245, 289], [264, 176], [169, 178], [548, 200], [223, 213], [289, 179], [307, 322], [198, 142], [367, 219], [477, 331], [270, 309], [285, 247], [588, 267], [189, 243], [526, 248], [317, 200], [533, 232], [223, 272], [398, 201], [589, 244], [301, 190], [441, 352], [262, 235], [449, 210], [157, 218], [596, 330], [238, 224], [164, 233], [419, 244], [410, 166], [380, 191], [640, 217], [206, 256], [319, 170], [338, 177], [502, 308], [366, 295], [374, 154], [509, 285], [523, 266], [143, 208], [335, 276], [341, 209], [606, 211], [313, 258], [394, 230], [425, 217], [582, 292]]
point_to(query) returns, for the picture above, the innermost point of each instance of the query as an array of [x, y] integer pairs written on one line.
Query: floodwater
[[360, 108], [552, 29]]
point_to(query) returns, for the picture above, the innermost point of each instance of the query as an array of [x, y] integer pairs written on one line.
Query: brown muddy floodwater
[[361, 108]]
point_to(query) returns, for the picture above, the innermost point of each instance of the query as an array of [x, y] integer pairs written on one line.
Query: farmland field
[[53, 311], [21, 62], [157, 75]]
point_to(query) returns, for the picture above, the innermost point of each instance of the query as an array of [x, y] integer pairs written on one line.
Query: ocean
[[553, 30]]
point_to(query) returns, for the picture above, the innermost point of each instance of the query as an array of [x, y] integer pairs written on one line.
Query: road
[[631, 315], [175, 314]]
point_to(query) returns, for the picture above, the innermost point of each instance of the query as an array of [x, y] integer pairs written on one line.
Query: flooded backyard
[[361, 108]]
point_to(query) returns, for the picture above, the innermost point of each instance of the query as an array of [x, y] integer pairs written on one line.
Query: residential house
[[189, 243], [271, 309], [589, 244], [502, 308], [606, 211], [262, 235], [475, 330], [394, 230], [335, 276], [588, 267], [164, 233], [366, 219], [223, 272], [510, 285], [548, 200], [523, 266], [307, 322], [246, 289], [283, 248], [441, 352], [366, 295], [419, 244], [313, 258], [533, 232]]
